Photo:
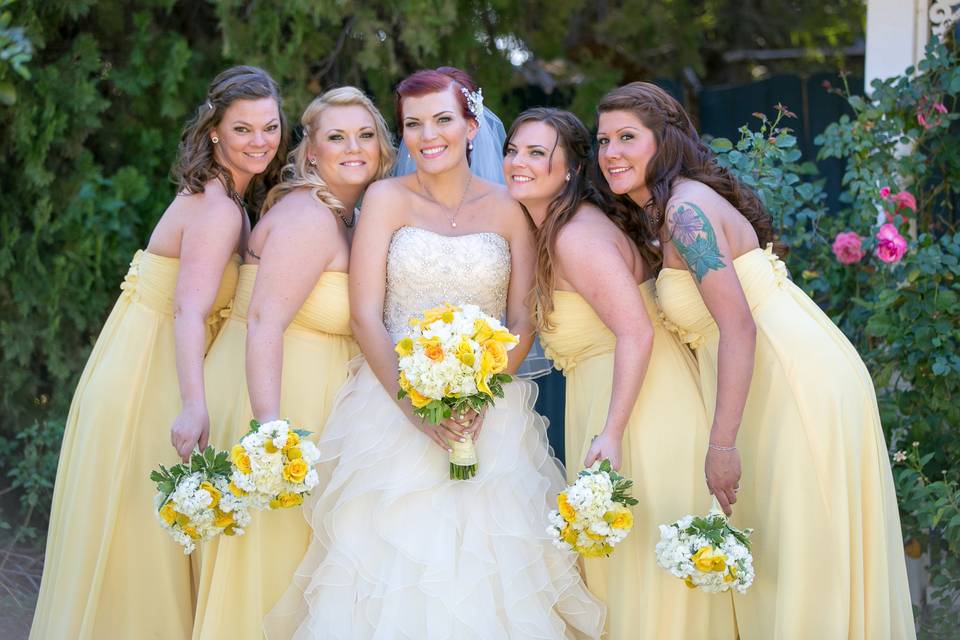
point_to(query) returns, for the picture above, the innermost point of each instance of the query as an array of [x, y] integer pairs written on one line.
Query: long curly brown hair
[[680, 154], [196, 163], [574, 139]]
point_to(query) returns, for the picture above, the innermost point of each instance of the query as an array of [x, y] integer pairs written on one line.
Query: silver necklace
[[452, 219]]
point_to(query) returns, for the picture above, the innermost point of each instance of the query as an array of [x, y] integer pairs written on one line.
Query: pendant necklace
[[452, 219]]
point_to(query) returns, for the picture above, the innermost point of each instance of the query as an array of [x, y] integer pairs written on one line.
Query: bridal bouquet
[[592, 515], [707, 553], [195, 501], [272, 465], [453, 359]]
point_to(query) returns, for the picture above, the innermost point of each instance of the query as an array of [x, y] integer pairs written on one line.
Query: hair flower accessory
[[474, 102]]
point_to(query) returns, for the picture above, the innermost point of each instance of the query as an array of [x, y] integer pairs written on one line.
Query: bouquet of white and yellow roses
[[592, 514], [453, 359], [707, 553], [195, 501], [273, 465]]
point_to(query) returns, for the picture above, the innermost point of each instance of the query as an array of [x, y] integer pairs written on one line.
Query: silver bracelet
[[717, 447]]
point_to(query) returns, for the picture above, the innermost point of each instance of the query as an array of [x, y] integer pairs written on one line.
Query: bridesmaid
[[290, 332], [784, 388], [598, 321], [110, 570]]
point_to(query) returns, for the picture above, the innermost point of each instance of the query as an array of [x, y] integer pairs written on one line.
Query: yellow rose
[[569, 535], [432, 348], [404, 347], [295, 470], [240, 459], [222, 519], [498, 355], [190, 531], [168, 513], [294, 453], [505, 337], [269, 447], [481, 330], [430, 316], [597, 550], [235, 490], [417, 399], [292, 440], [403, 382], [286, 500], [598, 537], [212, 490], [621, 518], [481, 379], [706, 560], [566, 511], [465, 352]]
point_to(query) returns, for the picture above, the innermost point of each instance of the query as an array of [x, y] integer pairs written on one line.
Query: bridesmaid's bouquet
[[273, 465], [592, 515], [452, 360], [707, 553], [196, 501]]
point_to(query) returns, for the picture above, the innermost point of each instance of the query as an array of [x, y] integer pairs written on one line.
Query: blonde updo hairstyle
[[298, 172]]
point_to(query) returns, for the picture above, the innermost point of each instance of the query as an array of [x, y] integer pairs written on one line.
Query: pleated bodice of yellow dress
[[663, 448], [816, 485], [110, 571], [242, 578]]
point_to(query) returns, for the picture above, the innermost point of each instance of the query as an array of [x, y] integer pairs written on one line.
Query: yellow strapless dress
[[242, 578], [662, 452], [110, 571], [816, 485]]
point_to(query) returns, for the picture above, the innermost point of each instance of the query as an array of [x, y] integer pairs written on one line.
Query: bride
[[399, 550]]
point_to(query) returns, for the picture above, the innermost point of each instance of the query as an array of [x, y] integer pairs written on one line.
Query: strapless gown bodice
[[427, 269]]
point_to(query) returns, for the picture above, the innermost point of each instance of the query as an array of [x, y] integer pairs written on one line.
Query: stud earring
[[313, 161], [215, 140], [470, 145], [568, 177]]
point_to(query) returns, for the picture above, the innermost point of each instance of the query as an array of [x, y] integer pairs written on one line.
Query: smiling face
[[535, 164], [249, 135], [345, 146], [625, 148], [435, 131]]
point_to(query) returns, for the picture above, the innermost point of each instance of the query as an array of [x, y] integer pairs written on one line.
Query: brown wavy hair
[[680, 154], [574, 139], [298, 172], [196, 163]]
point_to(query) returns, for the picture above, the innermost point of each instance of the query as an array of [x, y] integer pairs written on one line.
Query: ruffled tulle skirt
[[401, 551]]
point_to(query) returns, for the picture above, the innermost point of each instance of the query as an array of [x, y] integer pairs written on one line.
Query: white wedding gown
[[399, 549]]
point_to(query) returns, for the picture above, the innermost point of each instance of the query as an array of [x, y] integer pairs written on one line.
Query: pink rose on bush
[[848, 247], [890, 244], [885, 192], [905, 199]]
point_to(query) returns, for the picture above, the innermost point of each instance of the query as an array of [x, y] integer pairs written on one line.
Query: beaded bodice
[[426, 269]]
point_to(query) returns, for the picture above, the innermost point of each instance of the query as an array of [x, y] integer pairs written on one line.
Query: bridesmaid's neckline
[[645, 283], [257, 266], [742, 255]]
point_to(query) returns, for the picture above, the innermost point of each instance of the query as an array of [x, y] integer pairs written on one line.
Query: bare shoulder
[[691, 194], [388, 189], [299, 211], [588, 232], [212, 207]]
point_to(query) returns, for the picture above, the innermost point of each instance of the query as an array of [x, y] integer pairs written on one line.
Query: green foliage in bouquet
[[621, 485], [436, 411], [210, 463]]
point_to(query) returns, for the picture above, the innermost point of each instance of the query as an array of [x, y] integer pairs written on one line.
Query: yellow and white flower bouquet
[[453, 360], [592, 514], [195, 501], [707, 553], [273, 465]]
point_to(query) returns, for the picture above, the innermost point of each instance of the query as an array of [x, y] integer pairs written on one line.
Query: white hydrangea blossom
[[189, 514], [273, 467], [726, 566]]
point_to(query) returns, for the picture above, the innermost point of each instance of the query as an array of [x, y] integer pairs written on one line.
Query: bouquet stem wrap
[[463, 459]]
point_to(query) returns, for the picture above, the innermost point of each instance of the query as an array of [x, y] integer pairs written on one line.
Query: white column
[[897, 32]]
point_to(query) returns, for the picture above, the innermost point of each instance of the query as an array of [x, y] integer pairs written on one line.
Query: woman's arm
[[298, 247], [206, 244], [591, 261], [523, 263], [699, 239], [368, 278]]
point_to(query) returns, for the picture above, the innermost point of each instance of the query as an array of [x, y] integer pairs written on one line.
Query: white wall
[[897, 32]]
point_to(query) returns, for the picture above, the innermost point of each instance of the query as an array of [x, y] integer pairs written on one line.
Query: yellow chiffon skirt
[[110, 571], [663, 448], [241, 578]]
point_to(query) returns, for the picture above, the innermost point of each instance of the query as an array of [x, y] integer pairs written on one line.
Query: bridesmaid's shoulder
[[389, 189], [699, 195], [301, 210], [212, 206]]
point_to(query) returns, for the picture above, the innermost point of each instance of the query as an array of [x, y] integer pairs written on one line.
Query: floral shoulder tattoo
[[693, 236]]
